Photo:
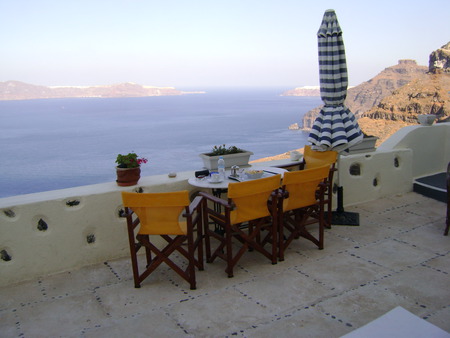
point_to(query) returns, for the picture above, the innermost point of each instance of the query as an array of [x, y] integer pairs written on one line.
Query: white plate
[[211, 181]]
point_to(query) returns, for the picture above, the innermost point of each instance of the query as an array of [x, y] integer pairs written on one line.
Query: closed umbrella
[[335, 128]]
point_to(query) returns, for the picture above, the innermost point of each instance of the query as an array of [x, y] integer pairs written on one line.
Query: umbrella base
[[344, 218]]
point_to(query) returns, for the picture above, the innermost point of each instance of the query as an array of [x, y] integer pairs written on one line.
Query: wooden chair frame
[[194, 219], [250, 235], [295, 221], [328, 193]]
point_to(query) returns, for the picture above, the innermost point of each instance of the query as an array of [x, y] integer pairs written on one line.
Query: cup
[[295, 155], [215, 177]]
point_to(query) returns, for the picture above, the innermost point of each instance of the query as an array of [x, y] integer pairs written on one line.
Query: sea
[[51, 144]]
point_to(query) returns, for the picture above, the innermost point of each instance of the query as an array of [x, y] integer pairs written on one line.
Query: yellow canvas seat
[[303, 197], [159, 214], [246, 217], [314, 159]]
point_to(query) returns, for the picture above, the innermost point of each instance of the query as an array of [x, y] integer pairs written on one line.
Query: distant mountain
[[16, 90]]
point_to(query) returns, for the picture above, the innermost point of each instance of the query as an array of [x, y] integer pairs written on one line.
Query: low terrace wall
[[62, 230]]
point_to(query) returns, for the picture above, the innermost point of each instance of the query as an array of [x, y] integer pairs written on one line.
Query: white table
[[206, 182]]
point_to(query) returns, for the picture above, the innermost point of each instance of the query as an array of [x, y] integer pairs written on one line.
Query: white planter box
[[240, 159], [426, 119], [367, 144]]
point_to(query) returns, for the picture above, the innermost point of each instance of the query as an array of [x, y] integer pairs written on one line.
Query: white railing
[[60, 230]]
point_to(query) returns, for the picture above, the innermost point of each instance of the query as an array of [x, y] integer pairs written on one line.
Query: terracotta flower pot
[[128, 176]]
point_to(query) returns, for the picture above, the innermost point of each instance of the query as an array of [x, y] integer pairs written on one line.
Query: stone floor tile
[[23, 293], [440, 263], [219, 314], [307, 322], [155, 324], [9, 323], [61, 317], [122, 300], [358, 307], [343, 272], [392, 254], [424, 237], [364, 234], [283, 291], [440, 318], [422, 285], [73, 282]]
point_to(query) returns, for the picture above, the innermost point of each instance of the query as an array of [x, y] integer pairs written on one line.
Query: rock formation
[[394, 98], [368, 94], [15, 90], [439, 61]]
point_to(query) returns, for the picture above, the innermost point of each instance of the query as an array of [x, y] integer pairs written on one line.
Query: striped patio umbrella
[[336, 127]]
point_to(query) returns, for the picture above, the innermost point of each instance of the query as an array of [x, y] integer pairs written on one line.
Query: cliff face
[[394, 98], [439, 61], [15, 90], [428, 95], [368, 94], [423, 95]]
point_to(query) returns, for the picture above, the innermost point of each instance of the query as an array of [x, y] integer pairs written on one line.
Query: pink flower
[[142, 160]]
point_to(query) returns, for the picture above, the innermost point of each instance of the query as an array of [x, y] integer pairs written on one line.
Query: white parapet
[[373, 175], [59, 230]]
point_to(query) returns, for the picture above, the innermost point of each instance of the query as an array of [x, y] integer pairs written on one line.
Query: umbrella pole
[[341, 217]]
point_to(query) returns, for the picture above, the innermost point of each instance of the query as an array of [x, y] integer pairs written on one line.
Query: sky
[[196, 44]]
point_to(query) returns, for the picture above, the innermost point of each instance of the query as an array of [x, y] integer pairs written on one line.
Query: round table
[[206, 182]]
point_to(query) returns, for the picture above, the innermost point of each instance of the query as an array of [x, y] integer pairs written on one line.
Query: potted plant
[[128, 169], [231, 155]]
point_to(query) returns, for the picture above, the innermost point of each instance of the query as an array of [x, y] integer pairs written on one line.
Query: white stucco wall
[[430, 145], [64, 245], [382, 173]]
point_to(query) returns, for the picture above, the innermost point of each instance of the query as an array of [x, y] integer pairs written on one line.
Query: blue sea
[[60, 143]]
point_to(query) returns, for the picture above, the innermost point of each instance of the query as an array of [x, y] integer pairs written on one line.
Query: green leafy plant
[[130, 161], [223, 150]]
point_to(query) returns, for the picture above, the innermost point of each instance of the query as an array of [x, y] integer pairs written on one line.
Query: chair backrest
[[158, 213], [302, 186], [250, 198], [314, 159]]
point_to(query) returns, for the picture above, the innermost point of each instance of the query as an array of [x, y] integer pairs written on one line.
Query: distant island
[[16, 90], [303, 91]]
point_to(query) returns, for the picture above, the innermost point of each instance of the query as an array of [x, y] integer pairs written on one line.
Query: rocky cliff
[[429, 95], [15, 90], [368, 94], [439, 61], [394, 98]]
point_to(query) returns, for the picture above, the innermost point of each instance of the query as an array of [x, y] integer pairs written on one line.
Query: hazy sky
[[203, 43]]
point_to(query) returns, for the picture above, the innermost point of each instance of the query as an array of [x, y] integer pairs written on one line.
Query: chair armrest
[[195, 204]]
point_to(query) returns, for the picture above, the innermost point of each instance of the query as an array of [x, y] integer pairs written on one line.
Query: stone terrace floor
[[398, 256]]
